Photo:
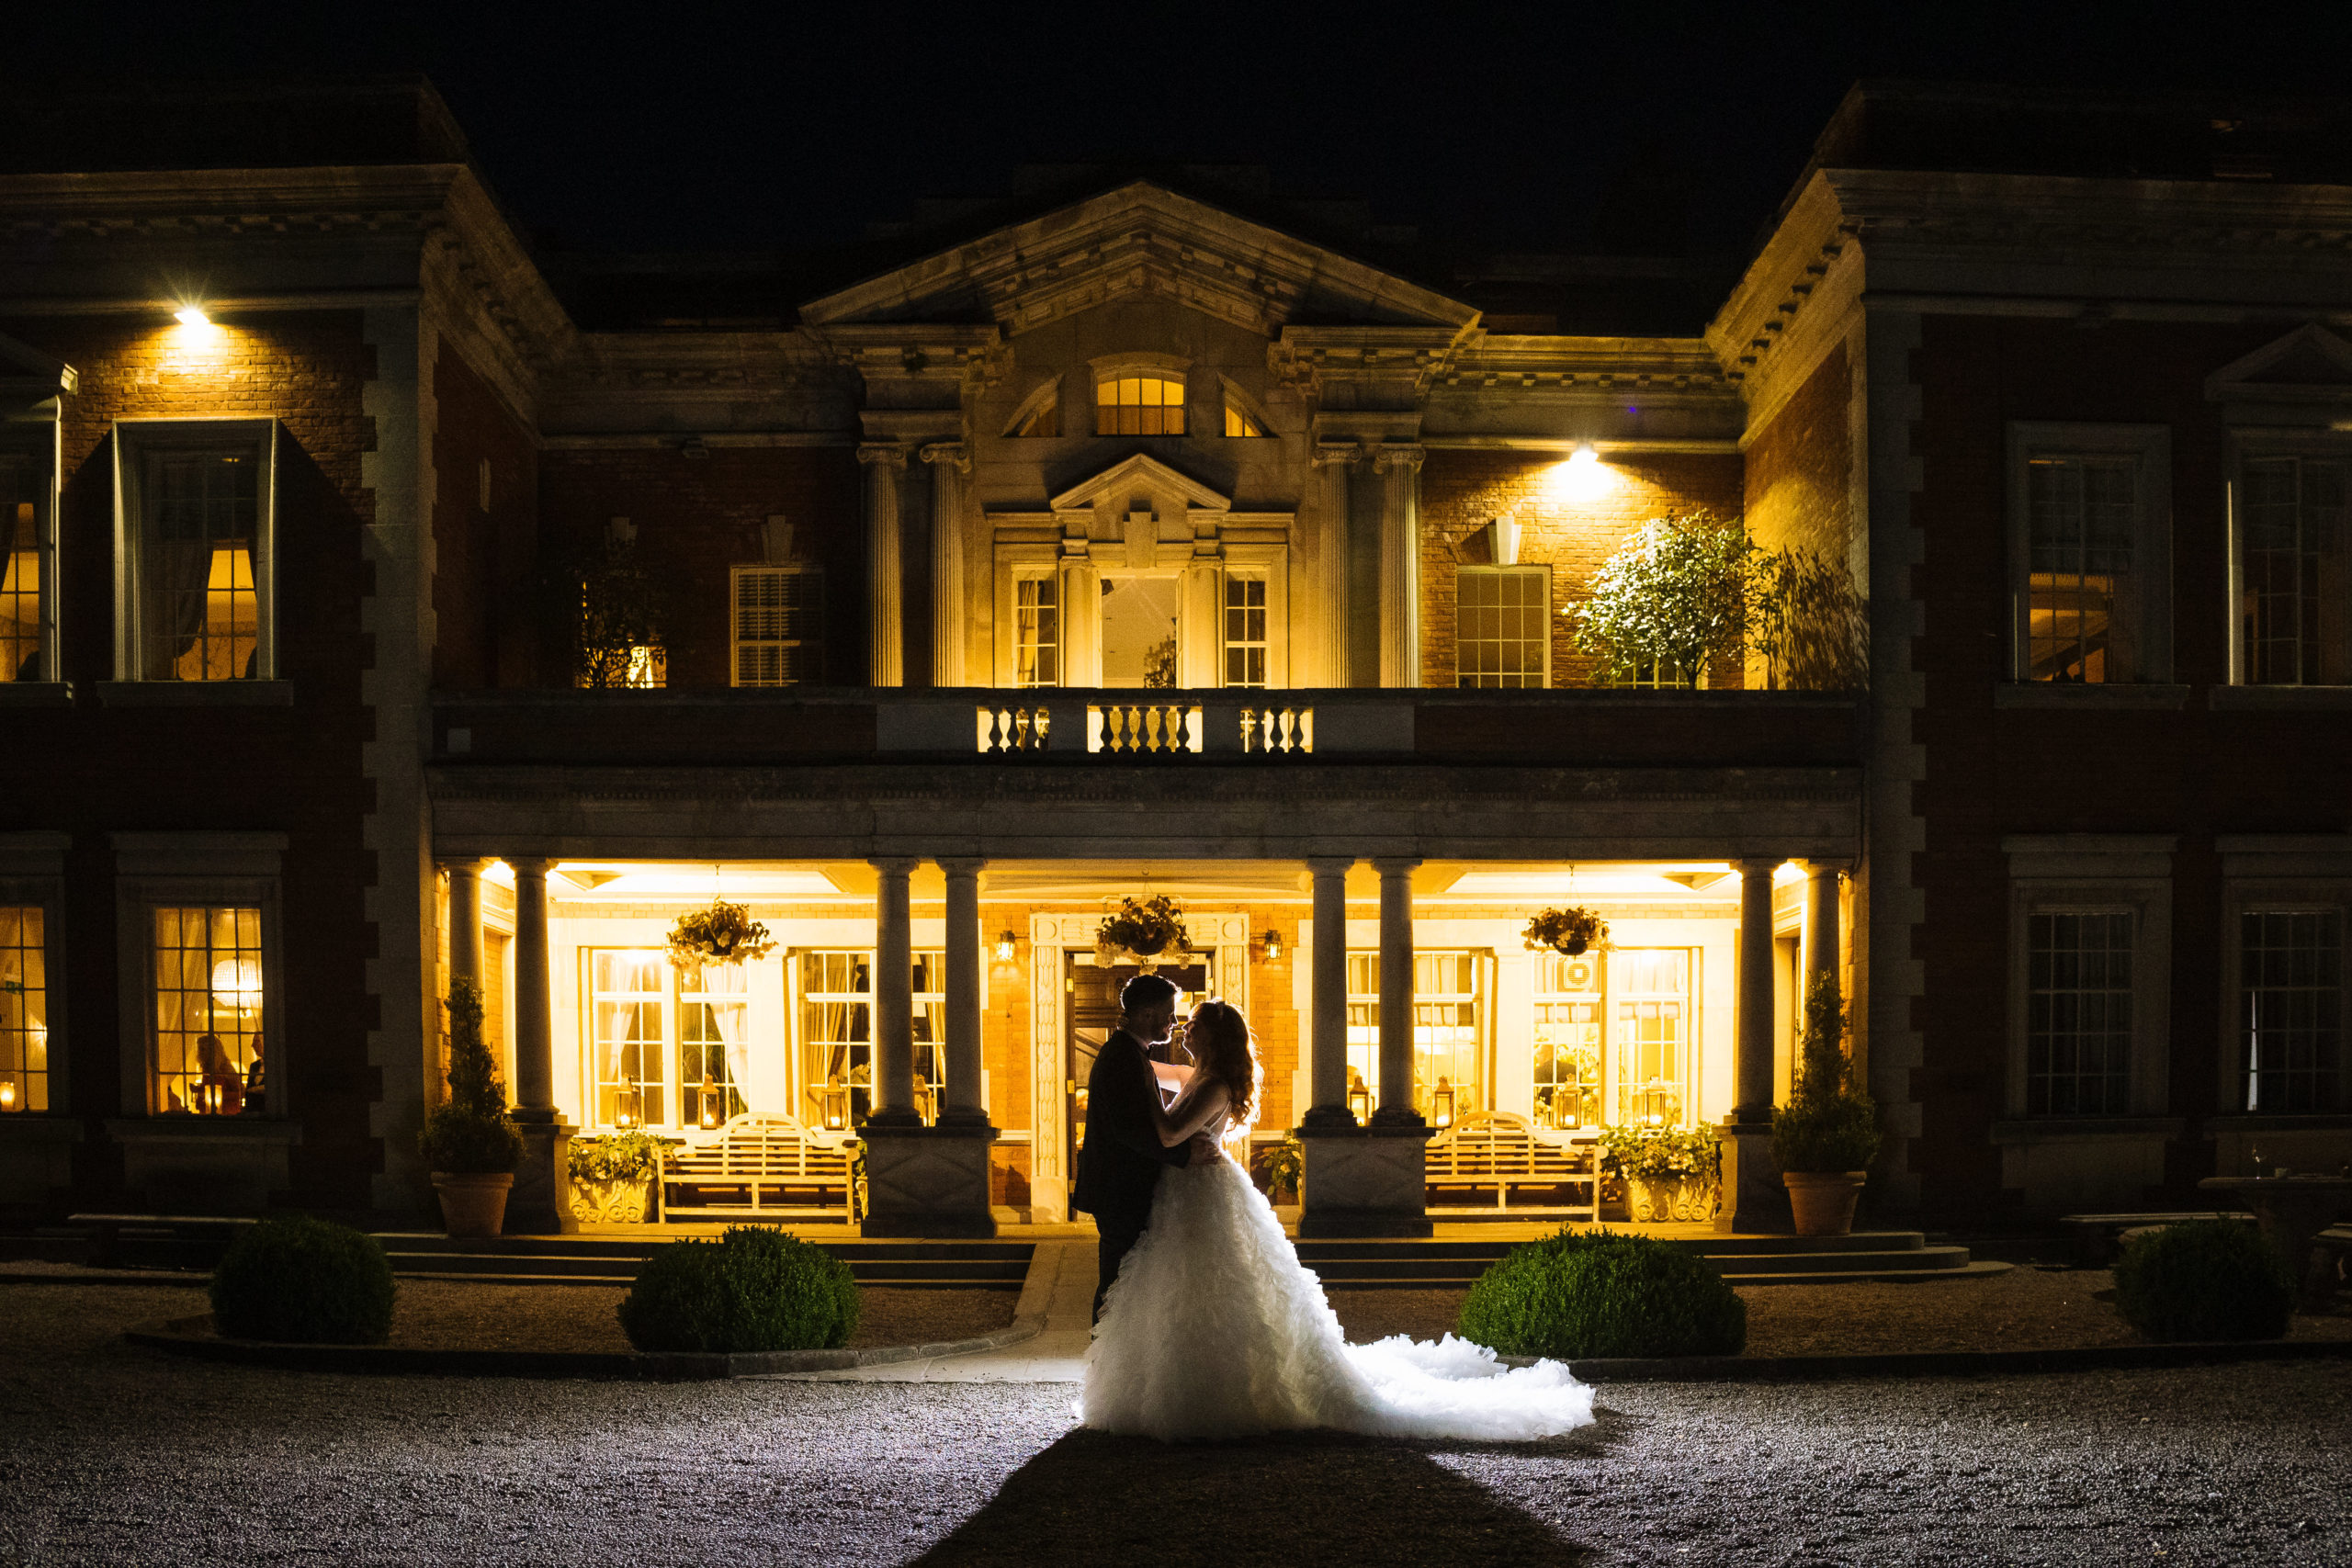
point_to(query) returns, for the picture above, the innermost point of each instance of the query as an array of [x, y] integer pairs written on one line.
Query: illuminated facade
[[1143, 539]]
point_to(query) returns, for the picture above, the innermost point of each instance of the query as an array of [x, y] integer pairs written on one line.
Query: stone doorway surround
[[1052, 937]]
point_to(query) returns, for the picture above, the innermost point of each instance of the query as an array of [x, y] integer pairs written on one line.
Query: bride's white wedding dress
[[1213, 1329]]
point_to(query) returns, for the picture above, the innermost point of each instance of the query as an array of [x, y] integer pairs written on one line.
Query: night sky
[[1660, 126]]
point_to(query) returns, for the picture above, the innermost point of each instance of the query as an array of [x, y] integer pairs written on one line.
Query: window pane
[[2296, 604], [1502, 635], [1139, 405], [628, 1044], [208, 1011], [198, 564], [2290, 1010], [22, 486], [2078, 1013], [2083, 589], [24, 1010], [1036, 638]]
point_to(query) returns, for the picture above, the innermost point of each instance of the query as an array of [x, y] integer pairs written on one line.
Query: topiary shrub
[[1830, 1123], [2205, 1279], [472, 1134], [754, 1289], [304, 1281], [1598, 1293]]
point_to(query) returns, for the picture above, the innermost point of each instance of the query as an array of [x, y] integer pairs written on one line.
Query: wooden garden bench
[[760, 1163], [2099, 1237], [1495, 1149]]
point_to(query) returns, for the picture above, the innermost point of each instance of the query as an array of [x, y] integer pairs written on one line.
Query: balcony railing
[[1068, 727]]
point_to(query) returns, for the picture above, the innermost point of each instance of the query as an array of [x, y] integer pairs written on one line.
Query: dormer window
[[1238, 420], [1139, 405]]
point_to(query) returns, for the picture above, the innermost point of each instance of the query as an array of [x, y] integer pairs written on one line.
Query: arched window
[[1041, 415], [1238, 420], [1139, 405]]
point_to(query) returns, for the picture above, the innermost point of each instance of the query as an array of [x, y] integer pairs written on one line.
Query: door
[[1090, 1010]]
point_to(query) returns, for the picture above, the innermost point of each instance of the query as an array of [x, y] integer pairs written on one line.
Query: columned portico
[[886, 464], [949, 462], [1363, 1181], [464, 920], [1754, 1199], [1400, 563], [540, 1204], [1822, 898]]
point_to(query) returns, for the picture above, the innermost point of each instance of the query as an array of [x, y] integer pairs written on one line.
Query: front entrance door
[[1090, 999]]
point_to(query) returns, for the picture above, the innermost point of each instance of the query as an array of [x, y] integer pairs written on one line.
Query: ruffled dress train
[[1213, 1329]]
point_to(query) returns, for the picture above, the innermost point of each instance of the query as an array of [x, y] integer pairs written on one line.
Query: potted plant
[[1571, 931], [724, 934], [470, 1144], [1282, 1167], [1824, 1139], [1143, 930], [1671, 1174], [1671, 595], [612, 1177]]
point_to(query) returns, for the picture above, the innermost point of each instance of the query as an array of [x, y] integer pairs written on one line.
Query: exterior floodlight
[[191, 316], [1585, 456], [1583, 476]]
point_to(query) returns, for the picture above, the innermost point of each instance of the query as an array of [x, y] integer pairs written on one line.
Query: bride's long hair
[[1223, 1048]]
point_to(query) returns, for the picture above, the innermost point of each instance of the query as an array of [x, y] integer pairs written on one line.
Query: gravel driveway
[[115, 1455]]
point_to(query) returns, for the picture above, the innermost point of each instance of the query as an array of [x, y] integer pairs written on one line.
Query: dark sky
[[679, 125]]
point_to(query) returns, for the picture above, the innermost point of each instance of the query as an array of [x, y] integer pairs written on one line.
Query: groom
[[1120, 1161]]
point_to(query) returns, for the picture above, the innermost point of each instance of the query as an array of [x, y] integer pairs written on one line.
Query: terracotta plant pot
[[1822, 1201], [473, 1204]]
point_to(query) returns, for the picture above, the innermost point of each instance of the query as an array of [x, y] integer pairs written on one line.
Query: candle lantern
[[1360, 1104], [7, 1094], [1442, 1104], [1273, 943], [710, 1103], [1007, 945], [625, 1115]]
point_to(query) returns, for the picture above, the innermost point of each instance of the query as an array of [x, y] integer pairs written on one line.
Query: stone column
[[1820, 922], [541, 1202], [465, 921], [1327, 1056], [963, 1105], [1754, 1199], [949, 463], [894, 1002], [1396, 1109], [1335, 458], [1400, 564], [886, 638]]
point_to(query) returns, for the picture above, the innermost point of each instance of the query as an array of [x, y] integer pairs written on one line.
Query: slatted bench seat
[[2099, 1237], [758, 1163], [1496, 1150]]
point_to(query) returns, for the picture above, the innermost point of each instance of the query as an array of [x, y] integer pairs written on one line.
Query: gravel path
[[445, 1313], [115, 1455], [2025, 1309]]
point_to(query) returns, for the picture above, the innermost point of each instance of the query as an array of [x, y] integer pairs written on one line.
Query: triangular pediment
[[2309, 362], [1141, 239], [1143, 473]]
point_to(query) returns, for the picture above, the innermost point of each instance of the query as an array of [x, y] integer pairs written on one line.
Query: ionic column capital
[[1406, 457], [954, 453], [887, 452], [1343, 454]]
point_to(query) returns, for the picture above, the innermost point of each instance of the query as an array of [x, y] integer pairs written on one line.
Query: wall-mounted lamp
[[1583, 476], [7, 1094], [1007, 944], [191, 316], [1273, 943]]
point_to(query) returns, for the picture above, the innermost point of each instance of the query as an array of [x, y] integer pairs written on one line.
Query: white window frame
[[929, 1005], [2243, 450], [1228, 644], [2282, 871], [132, 440], [1467, 573], [1016, 564], [37, 435], [2075, 873], [2150, 447], [33, 875], [193, 870], [1363, 1019], [813, 588]]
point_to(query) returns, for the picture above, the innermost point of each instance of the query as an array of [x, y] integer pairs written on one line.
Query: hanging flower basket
[[1142, 931], [724, 934], [1571, 931]]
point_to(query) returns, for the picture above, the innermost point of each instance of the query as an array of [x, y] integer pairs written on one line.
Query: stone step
[[1338, 1247], [1914, 1260], [625, 1280], [481, 1262], [853, 1249]]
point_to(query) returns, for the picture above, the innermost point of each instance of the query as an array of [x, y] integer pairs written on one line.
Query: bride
[[1213, 1330]]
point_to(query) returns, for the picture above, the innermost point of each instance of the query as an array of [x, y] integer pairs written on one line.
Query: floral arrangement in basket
[[1146, 929], [1663, 1154], [1570, 931], [724, 934]]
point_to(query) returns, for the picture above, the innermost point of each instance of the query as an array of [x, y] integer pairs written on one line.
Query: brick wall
[[94, 769], [695, 517], [487, 605], [1463, 492], [1800, 464]]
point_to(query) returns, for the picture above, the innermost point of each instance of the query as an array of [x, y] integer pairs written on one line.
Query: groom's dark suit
[[1120, 1164]]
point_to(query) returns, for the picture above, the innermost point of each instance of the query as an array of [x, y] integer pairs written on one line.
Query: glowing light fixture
[[1007, 944], [1583, 476], [192, 316], [7, 1094], [1360, 1104], [1273, 944], [237, 982]]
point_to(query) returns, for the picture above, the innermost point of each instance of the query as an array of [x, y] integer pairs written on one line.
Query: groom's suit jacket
[[1122, 1156]]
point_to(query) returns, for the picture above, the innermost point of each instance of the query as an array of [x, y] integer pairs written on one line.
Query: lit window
[[2078, 1013], [1503, 634], [198, 515], [2292, 1009], [1649, 1007], [24, 1009], [1139, 405], [629, 1043], [1036, 635], [648, 667], [777, 626], [1139, 618], [837, 1036], [1449, 1030], [2295, 566], [1245, 630], [713, 1045], [2089, 553], [1040, 418], [24, 569], [1239, 422], [208, 1009], [1568, 1010]]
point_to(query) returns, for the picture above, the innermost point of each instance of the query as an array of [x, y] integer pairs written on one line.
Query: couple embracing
[[1207, 1325]]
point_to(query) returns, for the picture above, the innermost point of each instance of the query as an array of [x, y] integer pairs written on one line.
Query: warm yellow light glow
[[190, 316], [237, 982], [1007, 946], [1582, 478]]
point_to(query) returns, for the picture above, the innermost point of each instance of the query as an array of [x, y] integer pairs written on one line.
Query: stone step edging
[[193, 1336]]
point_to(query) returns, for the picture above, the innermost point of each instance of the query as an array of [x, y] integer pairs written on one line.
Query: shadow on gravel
[[1297, 1499]]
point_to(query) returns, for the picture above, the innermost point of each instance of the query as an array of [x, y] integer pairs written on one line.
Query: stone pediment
[[1141, 473], [2309, 365], [1141, 238]]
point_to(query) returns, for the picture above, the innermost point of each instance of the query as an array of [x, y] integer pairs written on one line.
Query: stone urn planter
[[1822, 1201], [473, 1204], [622, 1200], [1680, 1199]]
